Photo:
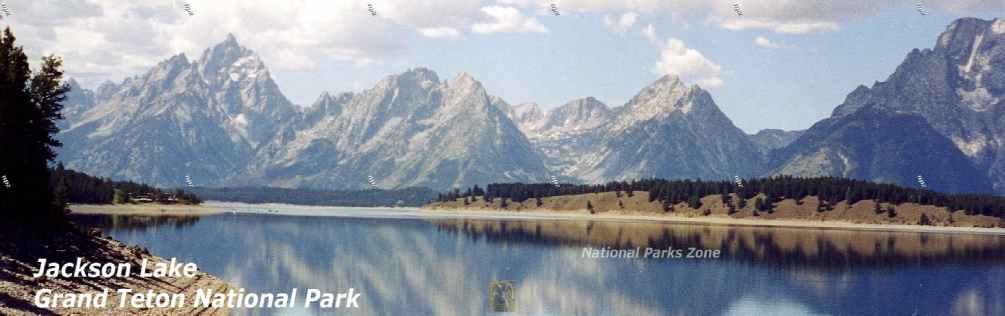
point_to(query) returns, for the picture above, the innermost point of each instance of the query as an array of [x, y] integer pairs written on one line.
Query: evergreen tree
[[29, 106], [694, 202]]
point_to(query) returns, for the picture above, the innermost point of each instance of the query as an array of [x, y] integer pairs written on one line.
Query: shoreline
[[215, 207], [148, 209], [20, 287], [714, 220]]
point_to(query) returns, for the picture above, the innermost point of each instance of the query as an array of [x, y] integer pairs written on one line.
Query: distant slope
[[956, 88], [669, 130], [877, 145], [770, 139]]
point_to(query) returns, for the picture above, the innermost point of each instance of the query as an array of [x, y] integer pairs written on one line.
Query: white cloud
[[507, 20], [621, 24], [110, 39], [643, 6], [687, 63], [785, 27], [781, 16], [802, 17], [439, 32], [766, 43]]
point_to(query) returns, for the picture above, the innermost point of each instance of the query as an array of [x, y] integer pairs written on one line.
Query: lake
[[406, 264]]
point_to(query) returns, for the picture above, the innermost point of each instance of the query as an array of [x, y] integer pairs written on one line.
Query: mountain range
[[939, 119]]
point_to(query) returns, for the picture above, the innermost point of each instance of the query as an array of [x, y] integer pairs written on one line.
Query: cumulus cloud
[[687, 63], [507, 20], [108, 39], [766, 43], [802, 17], [621, 24], [780, 16]]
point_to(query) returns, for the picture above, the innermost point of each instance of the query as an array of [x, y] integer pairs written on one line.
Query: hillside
[[862, 212], [782, 197]]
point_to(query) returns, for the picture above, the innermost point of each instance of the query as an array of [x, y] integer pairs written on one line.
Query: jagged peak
[[178, 59], [961, 33], [464, 78], [664, 95], [421, 74], [227, 53], [466, 82], [587, 103], [527, 110]]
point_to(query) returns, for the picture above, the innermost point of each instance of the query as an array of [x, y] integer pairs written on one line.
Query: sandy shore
[[145, 209], [623, 216]]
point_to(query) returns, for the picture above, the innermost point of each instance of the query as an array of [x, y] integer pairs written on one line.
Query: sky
[[768, 64]]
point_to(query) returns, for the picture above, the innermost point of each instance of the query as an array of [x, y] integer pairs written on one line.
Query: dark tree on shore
[[30, 104], [829, 191]]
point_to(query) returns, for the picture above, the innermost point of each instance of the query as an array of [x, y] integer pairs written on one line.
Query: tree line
[[70, 186], [829, 190], [359, 198]]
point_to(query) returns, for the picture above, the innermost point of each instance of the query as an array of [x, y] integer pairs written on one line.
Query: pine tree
[[29, 106]]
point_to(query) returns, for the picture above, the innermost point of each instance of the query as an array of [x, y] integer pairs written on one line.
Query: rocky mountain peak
[[231, 57], [422, 76], [465, 81], [662, 98], [579, 114]]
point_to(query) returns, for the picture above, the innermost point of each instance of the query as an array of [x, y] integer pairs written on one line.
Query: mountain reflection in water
[[445, 266]]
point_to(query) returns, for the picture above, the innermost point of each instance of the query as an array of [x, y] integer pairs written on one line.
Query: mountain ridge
[[222, 119]]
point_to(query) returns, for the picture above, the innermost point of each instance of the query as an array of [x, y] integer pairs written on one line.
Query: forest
[[830, 190], [70, 186]]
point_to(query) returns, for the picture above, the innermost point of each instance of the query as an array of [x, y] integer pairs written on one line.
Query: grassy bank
[[788, 213]]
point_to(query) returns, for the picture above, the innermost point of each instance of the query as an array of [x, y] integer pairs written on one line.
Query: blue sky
[[782, 64]]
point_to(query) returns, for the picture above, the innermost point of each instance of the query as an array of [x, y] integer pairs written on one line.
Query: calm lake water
[[409, 265]]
